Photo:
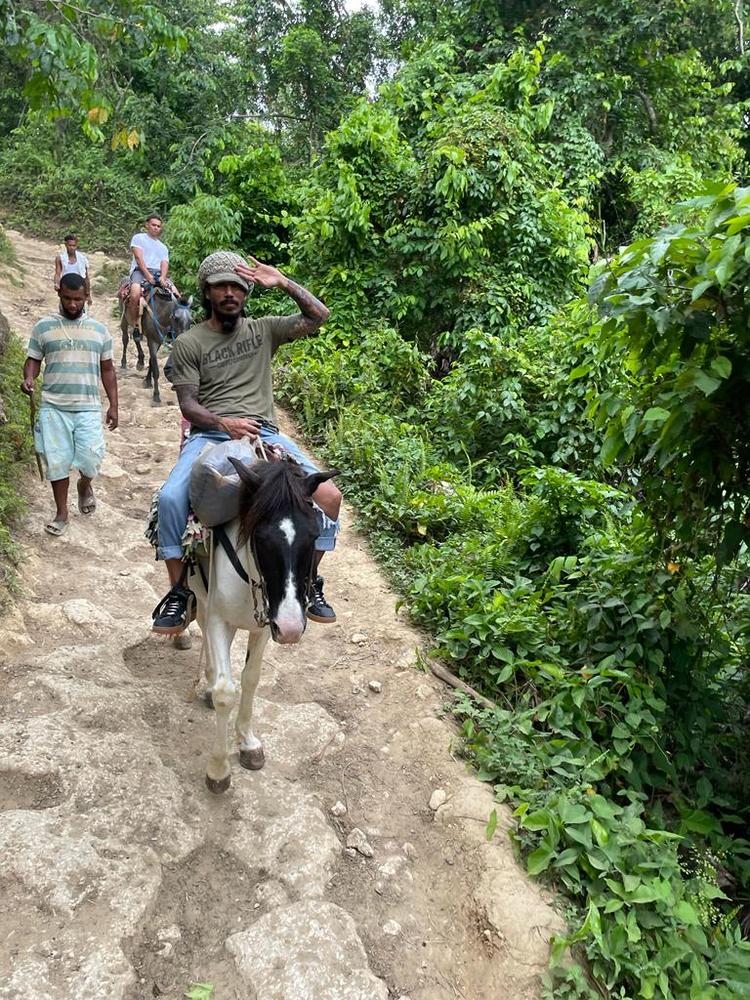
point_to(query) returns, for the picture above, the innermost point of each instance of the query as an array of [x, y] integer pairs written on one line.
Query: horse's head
[[277, 518], [182, 317]]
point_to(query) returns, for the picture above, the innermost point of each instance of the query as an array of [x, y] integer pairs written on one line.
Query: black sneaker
[[136, 334], [175, 612], [319, 610]]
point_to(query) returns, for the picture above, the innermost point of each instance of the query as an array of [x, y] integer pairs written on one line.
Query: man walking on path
[[77, 355], [221, 370], [72, 261], [150, 263]]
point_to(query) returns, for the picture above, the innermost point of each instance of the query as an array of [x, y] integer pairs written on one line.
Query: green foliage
[[51, 177], [197, 229], [675, 305], [16, 448], [71, 56], [424, 220]]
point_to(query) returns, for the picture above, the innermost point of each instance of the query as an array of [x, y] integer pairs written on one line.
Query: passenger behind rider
[[72, 261], [222, 374], [150, 263]]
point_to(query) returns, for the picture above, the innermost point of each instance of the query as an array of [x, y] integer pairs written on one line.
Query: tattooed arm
[[199, 416], [312, 312]]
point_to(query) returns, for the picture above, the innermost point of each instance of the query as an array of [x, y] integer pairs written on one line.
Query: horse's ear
[[246, 473], [315, 479]]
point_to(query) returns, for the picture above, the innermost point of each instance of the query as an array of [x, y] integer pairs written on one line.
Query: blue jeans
[[174, 502]]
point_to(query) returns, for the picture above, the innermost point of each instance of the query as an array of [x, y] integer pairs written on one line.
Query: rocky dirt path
[[122, 877]]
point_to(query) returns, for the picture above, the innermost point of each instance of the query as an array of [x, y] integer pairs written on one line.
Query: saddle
[[214, 490]]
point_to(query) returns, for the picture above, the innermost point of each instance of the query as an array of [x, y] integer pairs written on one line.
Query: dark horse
[[164, 315]]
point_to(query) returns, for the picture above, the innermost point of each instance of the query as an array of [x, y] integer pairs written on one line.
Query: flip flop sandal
[[87, 501], [56, 528]]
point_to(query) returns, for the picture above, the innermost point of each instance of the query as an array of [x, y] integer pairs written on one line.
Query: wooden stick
[[445, 675]]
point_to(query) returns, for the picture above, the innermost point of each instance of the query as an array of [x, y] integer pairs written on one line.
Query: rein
[[148, 303]]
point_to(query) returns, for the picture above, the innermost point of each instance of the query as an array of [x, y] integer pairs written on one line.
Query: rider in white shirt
[[150, 263], [72, 261]]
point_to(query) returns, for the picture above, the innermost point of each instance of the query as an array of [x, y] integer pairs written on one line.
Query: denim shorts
[[69, 438]]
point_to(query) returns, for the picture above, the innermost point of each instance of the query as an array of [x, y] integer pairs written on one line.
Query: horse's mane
[[280, 490]]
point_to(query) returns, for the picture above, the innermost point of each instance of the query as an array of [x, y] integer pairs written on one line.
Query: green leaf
[[685, 912], [656, 413], [491, 825], [539, 860], [721, 367], [199, 991], [705, 383]]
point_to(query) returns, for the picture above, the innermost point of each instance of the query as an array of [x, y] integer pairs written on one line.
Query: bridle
[[177, 306], [259, 588]]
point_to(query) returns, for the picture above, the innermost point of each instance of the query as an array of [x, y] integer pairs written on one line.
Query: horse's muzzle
[[286, 633]]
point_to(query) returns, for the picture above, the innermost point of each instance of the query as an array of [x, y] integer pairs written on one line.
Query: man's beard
[[70, 315], [228, 321]]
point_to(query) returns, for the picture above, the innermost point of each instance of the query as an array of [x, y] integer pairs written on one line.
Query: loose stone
[[358, 841], [375, 686], [338, 809], [437, 799]]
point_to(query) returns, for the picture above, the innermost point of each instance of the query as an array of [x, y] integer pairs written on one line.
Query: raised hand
[[262, 274]]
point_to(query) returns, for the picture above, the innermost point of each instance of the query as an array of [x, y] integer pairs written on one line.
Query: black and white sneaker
[[319, 610], [174, 613]]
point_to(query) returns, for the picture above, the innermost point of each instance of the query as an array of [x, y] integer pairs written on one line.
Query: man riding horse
[[150, 264], [221, 370]]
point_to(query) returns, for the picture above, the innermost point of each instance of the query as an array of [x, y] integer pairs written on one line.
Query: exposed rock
[[375, 686], [338, 809], [306, 951]]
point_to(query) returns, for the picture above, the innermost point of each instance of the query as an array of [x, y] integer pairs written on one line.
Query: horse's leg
[[141, 362], [153, 350], [218, 642], [124, 329], [251, 750]]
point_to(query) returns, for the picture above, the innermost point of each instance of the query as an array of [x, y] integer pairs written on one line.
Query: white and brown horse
[[258, 580]]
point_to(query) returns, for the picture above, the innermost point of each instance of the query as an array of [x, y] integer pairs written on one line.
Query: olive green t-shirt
[[232, 370]]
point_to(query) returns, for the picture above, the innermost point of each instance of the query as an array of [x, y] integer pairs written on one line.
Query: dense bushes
[[15, 450]]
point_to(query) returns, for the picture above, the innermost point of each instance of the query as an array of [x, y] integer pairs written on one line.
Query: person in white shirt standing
[[150, 263], [72, 261]]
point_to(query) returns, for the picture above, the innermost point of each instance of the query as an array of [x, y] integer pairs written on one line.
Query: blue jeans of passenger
[[174, 502]]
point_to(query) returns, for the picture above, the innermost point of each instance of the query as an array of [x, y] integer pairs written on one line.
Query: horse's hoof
[[139, 366], [253, 760], [209, 699], [156, 402], [217, 787], [183, 640], [123, 364]]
